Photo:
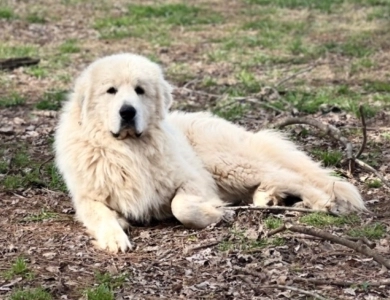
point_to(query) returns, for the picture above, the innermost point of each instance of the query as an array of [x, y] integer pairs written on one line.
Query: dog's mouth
[[126, 133]]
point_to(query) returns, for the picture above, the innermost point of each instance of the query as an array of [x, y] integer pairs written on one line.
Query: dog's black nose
[[127, 113]]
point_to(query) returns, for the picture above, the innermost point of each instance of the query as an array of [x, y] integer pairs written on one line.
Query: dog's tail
[[285, 153]]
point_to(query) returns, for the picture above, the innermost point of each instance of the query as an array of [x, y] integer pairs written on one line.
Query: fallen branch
[[363, 240], [13, 63], [207, 245], [364, 131], [359, 247], [326, 128], [329, 281], [290, 208], [257, 287], [295, 289], [44, 163], [368, 168], [284, 80]]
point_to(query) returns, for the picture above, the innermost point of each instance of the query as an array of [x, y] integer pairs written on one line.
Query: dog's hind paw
[[113, 240]]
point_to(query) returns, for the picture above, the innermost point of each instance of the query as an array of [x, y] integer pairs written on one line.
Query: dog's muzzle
[[128, 123]]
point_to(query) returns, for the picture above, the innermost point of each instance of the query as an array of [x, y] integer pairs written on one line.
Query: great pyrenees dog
[[124, 157]]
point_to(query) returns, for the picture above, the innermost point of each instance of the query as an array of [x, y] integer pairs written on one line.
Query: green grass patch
[[12, 100], [37, 71], [69, 46], [231, 111], [377, 86], [52, 100], [328, 158], [19, 268], [31, 294], [6, 13], [35, 18], [326, 6], [56, 183], [111, 281], [153, 21], [272, 222], [322, 220], [374, 183], [372, 231], [7, 51], [41, 216], [100, 292]]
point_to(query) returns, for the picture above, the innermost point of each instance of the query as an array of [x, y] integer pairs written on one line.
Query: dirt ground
[[225, 261]]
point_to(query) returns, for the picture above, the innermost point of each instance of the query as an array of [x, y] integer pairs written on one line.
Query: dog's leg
[[105, 225], [194, 210]]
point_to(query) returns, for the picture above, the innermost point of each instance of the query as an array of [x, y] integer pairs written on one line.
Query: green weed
[[31, 294], [12, 100], [372, 231], [272, 222], [52, 100], [7, 51], [328, 158], [19, 268], [41, 216], [322, 220], [35, 18], [37, 71], [69, 46], [100, 292], [56, 183], [323, 6], [111, 281], [231, 111], [374, 183], [6, 13]]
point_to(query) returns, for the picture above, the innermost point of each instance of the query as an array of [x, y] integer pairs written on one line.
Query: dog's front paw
[[113, 239]]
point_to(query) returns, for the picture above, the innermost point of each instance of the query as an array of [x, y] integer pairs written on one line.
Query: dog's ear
[[166, 94], [82, 92]]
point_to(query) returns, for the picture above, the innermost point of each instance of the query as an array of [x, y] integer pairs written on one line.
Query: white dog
[[122, 158]]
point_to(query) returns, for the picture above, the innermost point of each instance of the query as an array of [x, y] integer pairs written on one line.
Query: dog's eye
[[112, 90], [139, 90]]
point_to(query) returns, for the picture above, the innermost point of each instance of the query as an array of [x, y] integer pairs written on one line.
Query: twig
[[326, 128], [359, 247], [44, 163], [364, 131], [277, 230], [256, 287], [362, 239], [329, 281], [272, 208], [295, 289], [308, 69], [368, 168], [207, 245], [16, 62]]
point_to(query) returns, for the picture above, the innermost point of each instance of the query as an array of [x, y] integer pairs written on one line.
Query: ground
[[250, 61]]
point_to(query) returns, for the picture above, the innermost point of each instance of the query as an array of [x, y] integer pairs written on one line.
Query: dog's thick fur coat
[[142, 163]]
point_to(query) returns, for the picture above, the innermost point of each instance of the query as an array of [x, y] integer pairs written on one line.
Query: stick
[[308, 69], [13, 63], [368, 168], [359, 247], [44, 163], [273, 208], [326, 128], [329, 281], [364, 131], [277, 230], [274, 286], [295, 289]]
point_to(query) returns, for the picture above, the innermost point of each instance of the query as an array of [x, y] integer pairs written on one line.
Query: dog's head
[[126, 93]]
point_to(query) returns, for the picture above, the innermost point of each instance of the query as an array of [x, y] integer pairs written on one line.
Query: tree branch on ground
[[13, 63], [357, 246], [257, 287], [329, 281], [290, 208]]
